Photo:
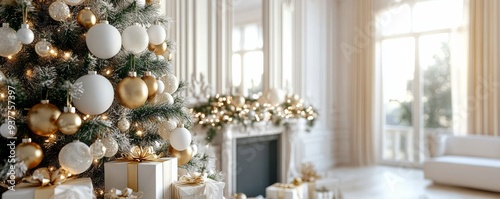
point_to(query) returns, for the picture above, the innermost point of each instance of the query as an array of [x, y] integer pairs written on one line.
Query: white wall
[[200, 29]]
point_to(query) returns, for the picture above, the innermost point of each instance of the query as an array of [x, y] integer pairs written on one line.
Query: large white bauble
[[75, 157], [161, 87], [97, 96], [135, 39], [180, 139], [59, 11], [8, 130], [111, 146], [276, 96], [157, 34], [9, 44], [25, 34], [103, 40], [171, 83], [166, 128], [73, 2]]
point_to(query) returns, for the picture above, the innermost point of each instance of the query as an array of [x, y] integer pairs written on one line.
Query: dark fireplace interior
[[257, 164]]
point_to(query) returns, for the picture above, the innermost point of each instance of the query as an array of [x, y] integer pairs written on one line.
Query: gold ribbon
[[209, 189], [45, 177], [139, 154], [193, 178], [126, 193], [136, 155], [283, 187]]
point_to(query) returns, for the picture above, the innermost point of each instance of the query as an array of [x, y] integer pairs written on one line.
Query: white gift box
[[154, 179], [182, 190], [75, 188], [277, 191], [323, 195]]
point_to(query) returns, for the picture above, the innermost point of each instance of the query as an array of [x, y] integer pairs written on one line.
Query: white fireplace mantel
[[290, 149]]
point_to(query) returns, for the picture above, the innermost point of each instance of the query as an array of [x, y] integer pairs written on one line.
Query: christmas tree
[[90, 55]]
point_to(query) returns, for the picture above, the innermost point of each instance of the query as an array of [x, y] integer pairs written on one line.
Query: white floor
[[383, 182]]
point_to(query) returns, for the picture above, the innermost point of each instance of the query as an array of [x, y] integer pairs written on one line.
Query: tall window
[[413, 53], [248, 59]]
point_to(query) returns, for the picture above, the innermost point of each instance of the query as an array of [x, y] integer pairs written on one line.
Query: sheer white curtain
[[357, 56], [484, 72]]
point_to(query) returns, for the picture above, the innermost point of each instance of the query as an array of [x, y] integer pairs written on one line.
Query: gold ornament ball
[[151, 82], [29, 152], [238, 101], [297, 181], [69, 122], [158, 49], [42, 118], [241, 196], [86, 18], [132, 91], [183, 157]]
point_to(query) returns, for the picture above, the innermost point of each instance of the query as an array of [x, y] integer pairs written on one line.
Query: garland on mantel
[[221, 110]]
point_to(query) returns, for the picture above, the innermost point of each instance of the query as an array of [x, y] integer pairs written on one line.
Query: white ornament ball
[[161, 87], [195, 149], [59, 11], [25, 34], [168, 98], [9, 44], [123, 124], [8, 130], [43, 47], [103, 40], [111, 146], [276, 96], [75, 157], [180, 139], [166, 128], [171, 83], [135, 39], [73, 2], [157, 34], [98, 94], [140, 3], [97, 149]]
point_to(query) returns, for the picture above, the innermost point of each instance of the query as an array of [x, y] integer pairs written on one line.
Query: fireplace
[[256, 161], [235, 142]]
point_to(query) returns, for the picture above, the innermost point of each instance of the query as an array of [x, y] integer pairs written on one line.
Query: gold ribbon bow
[[140, 154], [126, 193], [193, 178], [46, 177]]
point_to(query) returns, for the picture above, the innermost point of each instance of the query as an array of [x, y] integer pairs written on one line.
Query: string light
[[67, 55], [139, 133]]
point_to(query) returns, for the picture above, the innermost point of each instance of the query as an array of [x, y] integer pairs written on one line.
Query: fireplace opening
[[256, 164]]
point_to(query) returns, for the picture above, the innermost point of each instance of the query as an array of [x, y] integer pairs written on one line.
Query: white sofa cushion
[[474, 172], [474, 146]]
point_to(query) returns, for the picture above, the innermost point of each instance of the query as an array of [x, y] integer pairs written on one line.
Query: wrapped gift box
[[287, 191], [154, 179], [75, 188], [182, 190]]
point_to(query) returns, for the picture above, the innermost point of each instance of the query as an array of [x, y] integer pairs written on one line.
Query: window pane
[[395, 21], [398, 63], [236, 70], [253, 66], [437, 14], [236, 39], [251, 37], [435, 63]]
